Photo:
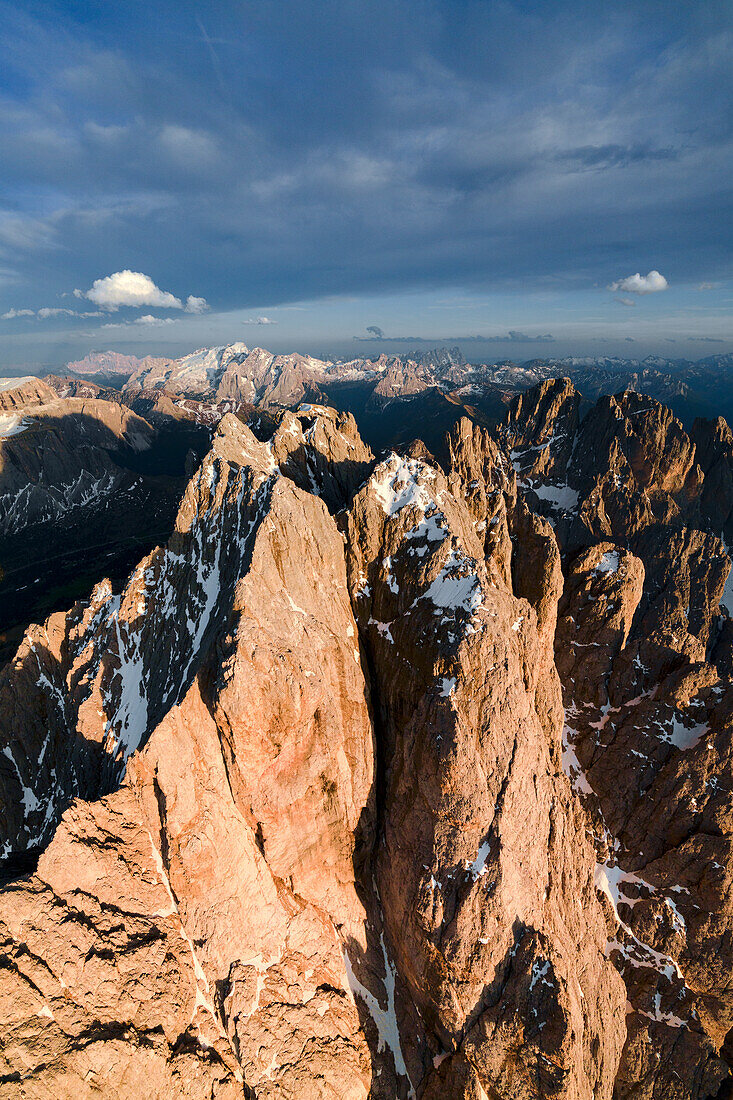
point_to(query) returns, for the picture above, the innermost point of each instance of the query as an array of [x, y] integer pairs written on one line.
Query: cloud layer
[[147, 321], [511, 337], [505, 148], [47, 312]]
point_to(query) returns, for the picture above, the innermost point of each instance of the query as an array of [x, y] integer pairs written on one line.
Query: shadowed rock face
[[56, 456], [386, 780], [643, 653]]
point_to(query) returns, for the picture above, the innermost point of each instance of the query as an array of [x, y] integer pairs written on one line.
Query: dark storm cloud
[[271, 153]]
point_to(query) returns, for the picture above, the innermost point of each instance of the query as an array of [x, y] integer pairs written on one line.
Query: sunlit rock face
[[384, 778]]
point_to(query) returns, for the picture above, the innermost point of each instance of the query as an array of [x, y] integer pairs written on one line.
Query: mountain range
[[690, 388], [365, 730]]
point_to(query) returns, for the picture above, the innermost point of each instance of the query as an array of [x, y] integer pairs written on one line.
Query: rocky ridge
[[643, 652], [87, 485], [259, 377], [387, 778], [55, 453]]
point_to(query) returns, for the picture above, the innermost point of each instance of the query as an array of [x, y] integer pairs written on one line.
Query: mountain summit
[[382, 775]]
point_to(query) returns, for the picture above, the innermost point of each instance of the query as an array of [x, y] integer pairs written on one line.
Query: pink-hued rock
[[383, 780]]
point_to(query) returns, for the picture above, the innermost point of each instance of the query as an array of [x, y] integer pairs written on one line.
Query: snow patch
[[540, 969], [726, 600], [559, 496], [454, 589], [571, 765], [384, 1018], [396, 484], [430, 527], [447, 687], [683, 737], [383, 628], [478, 867], [12, 425], [609, 563]]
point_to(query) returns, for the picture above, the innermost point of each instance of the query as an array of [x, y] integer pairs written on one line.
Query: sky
[[345, 178]]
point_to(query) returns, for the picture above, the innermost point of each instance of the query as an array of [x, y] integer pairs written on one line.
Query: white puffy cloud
[[135, 289], [148, 320], [55, 311], [625, 301], [259, 321], [129, 288], [641, 284], [17, 313]]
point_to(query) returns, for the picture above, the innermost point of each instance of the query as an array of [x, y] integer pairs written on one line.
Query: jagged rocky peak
[[67, 385], [625, 468], [713, 440], [322, 451], [402, 378], [386, 779], [648, 440], [642, 655], [481, 474], [232, 373], [535, 413], [101, 672], [471, 781], [638, 649], [602, 591], [221, 873], [647, 745], [442, 360], [198, 372], [105, 362], [714, 452]]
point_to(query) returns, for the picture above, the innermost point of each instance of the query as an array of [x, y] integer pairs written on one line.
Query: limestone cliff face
[[481, 892], [641, 510], [22, 393], [190, 925], [95, 682], [383, 779]]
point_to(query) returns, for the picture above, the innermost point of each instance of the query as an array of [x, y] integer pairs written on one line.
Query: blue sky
[[434, 170]]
